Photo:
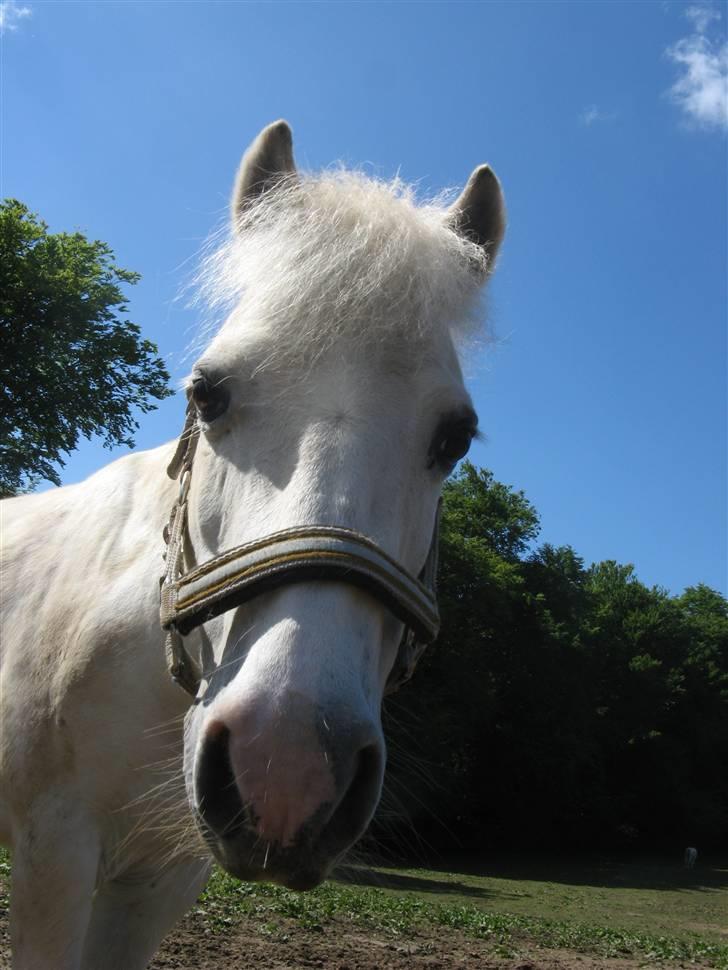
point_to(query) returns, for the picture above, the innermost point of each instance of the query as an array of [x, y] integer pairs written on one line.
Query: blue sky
[[605, 399]]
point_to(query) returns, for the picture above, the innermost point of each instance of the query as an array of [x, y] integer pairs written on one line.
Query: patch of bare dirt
[[251, 945]]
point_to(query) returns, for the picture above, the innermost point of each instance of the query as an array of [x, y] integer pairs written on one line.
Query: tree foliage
[[561, 703], [73, 363]]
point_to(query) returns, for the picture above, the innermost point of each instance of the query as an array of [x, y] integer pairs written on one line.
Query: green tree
[[482, 510], [561, 703], [73, 363], [445, 730]]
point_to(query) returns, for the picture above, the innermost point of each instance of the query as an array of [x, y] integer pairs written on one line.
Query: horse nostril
[[355, 809], [218, 798]]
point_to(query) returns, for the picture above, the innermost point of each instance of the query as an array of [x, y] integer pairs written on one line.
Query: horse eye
[[211, 400], [452, 442]]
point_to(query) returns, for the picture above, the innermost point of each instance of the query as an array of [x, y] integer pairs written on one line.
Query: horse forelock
[[342, 256]]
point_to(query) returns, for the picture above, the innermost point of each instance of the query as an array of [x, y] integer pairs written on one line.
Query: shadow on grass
[[605, 872], [425, 883], [615, 871]]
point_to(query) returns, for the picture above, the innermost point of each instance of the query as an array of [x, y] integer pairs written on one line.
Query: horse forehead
[[395, 384], [357, 360], [357, 392]]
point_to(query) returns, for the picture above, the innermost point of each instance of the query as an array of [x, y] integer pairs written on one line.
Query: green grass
[[657, 897], [400, 913], [648, 912]]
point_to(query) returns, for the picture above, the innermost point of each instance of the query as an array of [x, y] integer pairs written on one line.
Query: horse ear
[[268, 160], [480, 212]]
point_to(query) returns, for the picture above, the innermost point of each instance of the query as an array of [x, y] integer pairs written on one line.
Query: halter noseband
[[316, 552]]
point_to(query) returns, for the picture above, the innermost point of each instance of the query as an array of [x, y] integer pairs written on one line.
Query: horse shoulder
[[81, 640]]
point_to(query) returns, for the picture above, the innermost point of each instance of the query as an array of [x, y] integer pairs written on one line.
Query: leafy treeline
[[73, 363], [561, 704]]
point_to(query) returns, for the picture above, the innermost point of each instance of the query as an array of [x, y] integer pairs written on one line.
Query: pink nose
[[283, 778], [285, 770]]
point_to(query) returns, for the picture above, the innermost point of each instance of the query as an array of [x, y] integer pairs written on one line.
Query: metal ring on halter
[[302, 554]]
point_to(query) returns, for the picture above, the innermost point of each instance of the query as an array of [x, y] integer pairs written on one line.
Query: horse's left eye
[[452, 442], [210, 399]]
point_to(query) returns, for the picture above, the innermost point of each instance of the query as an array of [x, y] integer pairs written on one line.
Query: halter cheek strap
[[302, 554]]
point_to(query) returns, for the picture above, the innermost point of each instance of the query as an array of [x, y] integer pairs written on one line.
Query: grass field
[[651, 911], [653, 896]]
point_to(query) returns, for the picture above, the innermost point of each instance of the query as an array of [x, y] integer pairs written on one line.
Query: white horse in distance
[[331, 399]]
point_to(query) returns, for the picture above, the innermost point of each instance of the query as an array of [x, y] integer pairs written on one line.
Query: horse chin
[[301, 877], [246, 858]]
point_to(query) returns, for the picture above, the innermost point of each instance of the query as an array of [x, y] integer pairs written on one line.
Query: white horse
[[323, 418]]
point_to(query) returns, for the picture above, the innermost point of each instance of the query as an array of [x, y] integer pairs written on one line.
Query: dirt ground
[[246, 946], [339, 946], [251, 944]]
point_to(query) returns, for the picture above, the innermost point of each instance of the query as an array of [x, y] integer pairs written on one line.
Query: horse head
[[331, 398]]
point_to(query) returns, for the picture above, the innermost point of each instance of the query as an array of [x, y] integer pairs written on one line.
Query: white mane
[[339, 255]]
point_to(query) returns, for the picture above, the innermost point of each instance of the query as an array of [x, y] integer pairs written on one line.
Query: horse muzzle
[[281, 799]]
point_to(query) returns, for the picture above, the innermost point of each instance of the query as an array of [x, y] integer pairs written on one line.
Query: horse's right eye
[[211, 400]]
